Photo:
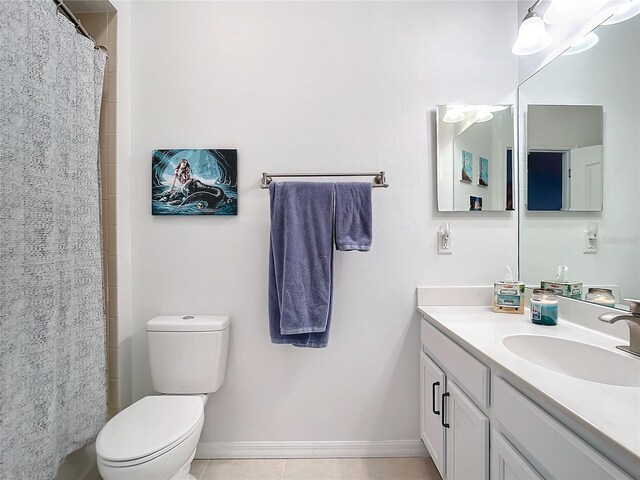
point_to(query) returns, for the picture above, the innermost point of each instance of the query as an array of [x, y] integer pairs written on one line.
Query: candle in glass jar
[[544, 307]]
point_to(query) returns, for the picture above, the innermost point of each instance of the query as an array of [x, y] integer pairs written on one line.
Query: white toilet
[[156, 437]]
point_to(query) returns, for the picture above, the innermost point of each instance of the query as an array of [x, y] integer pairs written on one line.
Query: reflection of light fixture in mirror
[[454, 114], [532, 36], [630, 9], [582, 45], [498, 108], [483, 115]]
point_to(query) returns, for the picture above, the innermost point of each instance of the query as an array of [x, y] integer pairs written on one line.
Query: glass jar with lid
[[544, 307], [601, 296]]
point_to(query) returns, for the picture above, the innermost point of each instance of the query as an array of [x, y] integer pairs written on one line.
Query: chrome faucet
[[633, 320]]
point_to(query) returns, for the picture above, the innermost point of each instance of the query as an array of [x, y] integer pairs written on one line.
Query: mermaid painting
[[199, 181]]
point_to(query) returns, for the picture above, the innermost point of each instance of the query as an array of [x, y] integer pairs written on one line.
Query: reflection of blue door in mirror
[[545, 180]]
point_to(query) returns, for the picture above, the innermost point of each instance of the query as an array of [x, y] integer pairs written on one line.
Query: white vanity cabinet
[[454, 430], [458, 417], [555, 451], [467, 434], [507, 463], [432, 385]]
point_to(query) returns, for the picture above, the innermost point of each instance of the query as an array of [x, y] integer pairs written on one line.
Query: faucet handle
[[634, 305]]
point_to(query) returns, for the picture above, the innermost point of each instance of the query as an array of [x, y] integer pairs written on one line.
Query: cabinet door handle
[[444, 409], [433, 398]]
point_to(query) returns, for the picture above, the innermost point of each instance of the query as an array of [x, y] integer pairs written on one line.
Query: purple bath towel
[[353, 216], [301, 263]]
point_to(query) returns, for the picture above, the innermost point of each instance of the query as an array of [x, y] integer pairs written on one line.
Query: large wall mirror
[[475, 158], [579, 130]]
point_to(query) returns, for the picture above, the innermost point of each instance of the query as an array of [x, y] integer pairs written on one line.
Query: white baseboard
[[356, 449]]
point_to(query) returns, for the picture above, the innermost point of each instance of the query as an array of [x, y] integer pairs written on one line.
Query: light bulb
[[582, 45], [532, 36]]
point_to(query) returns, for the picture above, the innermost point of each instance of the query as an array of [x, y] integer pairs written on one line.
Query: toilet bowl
[[156, 437]]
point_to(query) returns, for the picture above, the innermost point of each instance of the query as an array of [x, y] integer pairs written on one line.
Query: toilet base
[[184, 472]]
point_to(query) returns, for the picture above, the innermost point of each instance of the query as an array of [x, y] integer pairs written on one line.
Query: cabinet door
[[432, 386], [467, 435], [507, 463]]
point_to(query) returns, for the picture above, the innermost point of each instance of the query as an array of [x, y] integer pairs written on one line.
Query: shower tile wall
[[103, 28]]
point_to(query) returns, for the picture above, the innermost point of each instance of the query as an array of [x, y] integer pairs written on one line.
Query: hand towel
[[301, 263], [353, 216]]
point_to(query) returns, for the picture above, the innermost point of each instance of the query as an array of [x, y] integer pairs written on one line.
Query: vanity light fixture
[[562, 11], [567, 11], [629, 10], [584, 44], [532, 35]]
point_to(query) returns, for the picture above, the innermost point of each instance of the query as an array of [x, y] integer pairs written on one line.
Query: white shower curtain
[[52, 317]]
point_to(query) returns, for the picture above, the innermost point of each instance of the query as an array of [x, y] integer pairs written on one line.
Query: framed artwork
[[466, 163], [194, 181], [475, 204], [483, 179]]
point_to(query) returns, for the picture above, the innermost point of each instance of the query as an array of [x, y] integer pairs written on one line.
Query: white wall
[[607, 75], [312, 87]]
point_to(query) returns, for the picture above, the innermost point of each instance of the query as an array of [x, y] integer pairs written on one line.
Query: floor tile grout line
[[204, 469], [364, 475]]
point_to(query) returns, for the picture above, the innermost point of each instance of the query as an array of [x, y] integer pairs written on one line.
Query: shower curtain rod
[[76, 23], [379, 178]]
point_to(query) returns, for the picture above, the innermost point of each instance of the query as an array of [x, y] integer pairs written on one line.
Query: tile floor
[[316, 469]]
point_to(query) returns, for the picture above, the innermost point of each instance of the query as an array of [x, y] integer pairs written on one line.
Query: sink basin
[[577, 359]]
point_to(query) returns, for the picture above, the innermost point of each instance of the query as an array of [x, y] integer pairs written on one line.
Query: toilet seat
[[149, 428]]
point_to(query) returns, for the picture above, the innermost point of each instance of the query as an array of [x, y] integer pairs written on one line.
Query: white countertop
[[610, 413]]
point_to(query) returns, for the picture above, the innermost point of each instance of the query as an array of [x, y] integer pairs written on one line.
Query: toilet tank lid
[[188, 323]]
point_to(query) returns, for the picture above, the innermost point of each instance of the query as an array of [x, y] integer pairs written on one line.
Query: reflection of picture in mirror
[[475, 204], [483, 179], [467, 166]]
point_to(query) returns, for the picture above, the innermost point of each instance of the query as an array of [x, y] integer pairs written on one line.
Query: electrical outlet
[[590, 244], [444, 243]]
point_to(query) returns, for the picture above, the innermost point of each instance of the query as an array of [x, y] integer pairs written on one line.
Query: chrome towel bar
[[379, 178]]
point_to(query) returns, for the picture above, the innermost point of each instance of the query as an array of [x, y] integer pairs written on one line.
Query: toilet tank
[[188, 353]]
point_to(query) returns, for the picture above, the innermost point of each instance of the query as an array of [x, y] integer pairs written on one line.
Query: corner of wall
[[123, 114]]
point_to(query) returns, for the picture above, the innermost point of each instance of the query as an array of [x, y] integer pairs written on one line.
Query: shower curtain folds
[[52, 318]]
